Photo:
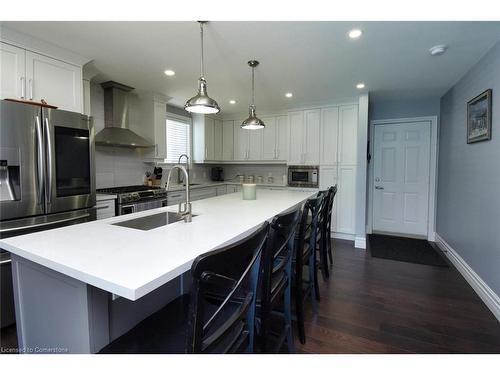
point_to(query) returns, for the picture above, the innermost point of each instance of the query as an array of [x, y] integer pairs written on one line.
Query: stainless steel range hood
[[116, 132]]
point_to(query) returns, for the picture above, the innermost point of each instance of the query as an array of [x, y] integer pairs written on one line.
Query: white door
[[401, 177], [12, 74], [269, 139], [57, 82]]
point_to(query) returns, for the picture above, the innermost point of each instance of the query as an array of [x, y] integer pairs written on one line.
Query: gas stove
[[135, 193]]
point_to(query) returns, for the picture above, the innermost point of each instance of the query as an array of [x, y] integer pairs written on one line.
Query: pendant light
[[202, 103], [252, 122]]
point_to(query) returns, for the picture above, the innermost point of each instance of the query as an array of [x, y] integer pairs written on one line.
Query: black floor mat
[[405, 250]]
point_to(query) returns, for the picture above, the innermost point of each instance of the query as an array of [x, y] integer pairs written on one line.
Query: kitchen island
[[68, 281]]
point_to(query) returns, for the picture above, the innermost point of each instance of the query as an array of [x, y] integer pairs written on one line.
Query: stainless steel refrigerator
[[47, 176]]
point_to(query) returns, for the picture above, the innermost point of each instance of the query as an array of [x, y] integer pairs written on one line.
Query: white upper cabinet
[[304, 137], [12, 72], [269, 138], [204, 138], [282, 137], [160, 130], [312, 129], [55, 81], [275, 138], [348, 132], [296, 154], [227, 140], [209, 139], [329, 135], [247, 143], [240, 141], [218, 139]]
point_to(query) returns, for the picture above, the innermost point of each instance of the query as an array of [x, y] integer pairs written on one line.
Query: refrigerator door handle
[[39, 161], [49, 153]]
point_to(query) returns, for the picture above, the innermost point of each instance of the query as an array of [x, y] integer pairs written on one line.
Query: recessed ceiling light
[[232, 102], [438, 50], [355, 33], [169, 72], [288, 94], [360, 86]]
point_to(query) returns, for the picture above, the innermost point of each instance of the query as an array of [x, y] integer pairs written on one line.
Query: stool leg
[[288, 308]]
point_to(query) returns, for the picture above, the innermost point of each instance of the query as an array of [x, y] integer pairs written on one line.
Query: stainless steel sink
[[151, 221]]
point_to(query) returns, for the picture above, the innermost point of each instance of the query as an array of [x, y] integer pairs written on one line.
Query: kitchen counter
[[130, 262], [67, 280], [176, 187]]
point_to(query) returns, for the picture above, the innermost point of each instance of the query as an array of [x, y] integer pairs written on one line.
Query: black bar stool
[[305, 256], [274, 303], [205, 325], [332, 191]]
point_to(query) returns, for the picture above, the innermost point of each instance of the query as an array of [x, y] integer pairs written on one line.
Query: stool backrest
[[306, 236], [276, 265], [233, 269]]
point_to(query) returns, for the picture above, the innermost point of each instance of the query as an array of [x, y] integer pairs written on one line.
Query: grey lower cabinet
[[58, 314]]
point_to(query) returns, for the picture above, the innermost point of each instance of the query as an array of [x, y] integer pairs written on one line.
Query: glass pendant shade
[[252, 122], [201, 102]]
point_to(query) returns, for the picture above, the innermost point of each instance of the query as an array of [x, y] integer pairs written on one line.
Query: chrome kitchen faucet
[[186, 212]]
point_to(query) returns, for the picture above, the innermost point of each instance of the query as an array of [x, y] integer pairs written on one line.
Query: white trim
[[432, 171], [488, 296], [360, 242], [42, 47], [343, 236]]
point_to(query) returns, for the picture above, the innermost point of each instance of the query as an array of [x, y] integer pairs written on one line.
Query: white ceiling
[[314, 60]]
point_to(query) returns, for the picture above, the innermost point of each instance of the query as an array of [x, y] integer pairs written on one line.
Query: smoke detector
[[438, 50]]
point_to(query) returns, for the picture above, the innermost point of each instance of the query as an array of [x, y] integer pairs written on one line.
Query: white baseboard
[[343, 236], [360, 242], [489, 297]]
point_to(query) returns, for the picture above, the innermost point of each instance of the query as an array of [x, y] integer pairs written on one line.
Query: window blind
[[177, 139]]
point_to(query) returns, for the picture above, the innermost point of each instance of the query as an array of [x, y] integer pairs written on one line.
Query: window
[[178, 139]]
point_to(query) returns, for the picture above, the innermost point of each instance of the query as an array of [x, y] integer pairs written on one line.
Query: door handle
[[39, 161], [49, 161], [379, 188], [22, 88], [31, 88]]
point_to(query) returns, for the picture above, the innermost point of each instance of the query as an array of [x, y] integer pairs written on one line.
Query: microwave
[[303, 176]]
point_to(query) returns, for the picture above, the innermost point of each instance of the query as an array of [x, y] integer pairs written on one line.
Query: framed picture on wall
[[479, 118]]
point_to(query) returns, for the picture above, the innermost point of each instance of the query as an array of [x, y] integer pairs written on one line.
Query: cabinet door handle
[[101, 207], [379, 188], [22, 88], [31, 88], [206, 152], [156, 149]]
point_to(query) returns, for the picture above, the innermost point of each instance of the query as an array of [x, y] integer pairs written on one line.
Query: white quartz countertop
[[132, 262]]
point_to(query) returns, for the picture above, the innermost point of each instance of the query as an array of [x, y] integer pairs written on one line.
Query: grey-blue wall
[[468, 200], [385, 109]]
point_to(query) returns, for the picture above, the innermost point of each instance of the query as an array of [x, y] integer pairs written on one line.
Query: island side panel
[[124, 314], [52, 311]]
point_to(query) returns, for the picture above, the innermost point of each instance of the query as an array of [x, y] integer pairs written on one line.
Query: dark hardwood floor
[[374, 305]]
